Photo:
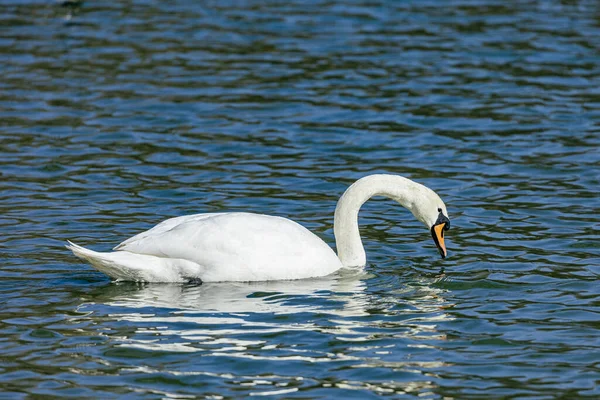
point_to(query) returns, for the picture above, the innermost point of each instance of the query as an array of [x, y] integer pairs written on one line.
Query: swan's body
[[219, 247], [253, 247]]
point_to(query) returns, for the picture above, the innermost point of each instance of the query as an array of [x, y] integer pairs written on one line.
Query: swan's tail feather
[[128, 266], [103, 262]]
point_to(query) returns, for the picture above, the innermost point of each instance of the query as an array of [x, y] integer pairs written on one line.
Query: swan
[[240, 246]]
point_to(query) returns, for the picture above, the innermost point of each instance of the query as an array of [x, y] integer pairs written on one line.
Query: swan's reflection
[[339, 304], [339, 294], [280, 326]]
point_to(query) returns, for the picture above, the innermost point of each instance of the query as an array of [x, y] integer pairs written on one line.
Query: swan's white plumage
[[253, 247], [218, 247], [126, 266]]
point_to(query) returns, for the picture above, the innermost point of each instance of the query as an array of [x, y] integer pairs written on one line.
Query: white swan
[[252, 247]]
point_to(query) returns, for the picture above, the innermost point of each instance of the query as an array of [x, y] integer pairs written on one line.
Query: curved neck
[[350, 249]]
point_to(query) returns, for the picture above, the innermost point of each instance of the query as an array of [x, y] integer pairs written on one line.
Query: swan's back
[[238, 247]]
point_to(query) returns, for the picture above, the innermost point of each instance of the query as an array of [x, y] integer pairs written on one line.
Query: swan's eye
[[442, 219]]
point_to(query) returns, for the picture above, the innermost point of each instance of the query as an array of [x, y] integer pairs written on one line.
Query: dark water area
[[115, 115]]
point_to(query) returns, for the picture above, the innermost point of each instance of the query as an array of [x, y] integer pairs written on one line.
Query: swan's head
[[431, 211]]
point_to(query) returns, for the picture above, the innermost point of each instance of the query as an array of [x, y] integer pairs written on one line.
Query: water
[[117, 115]]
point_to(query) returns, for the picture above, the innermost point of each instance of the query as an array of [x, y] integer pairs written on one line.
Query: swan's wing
[[239, 246], [161, 228], [236, 233]]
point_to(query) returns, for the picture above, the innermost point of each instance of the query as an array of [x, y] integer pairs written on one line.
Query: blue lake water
[[117, 115]]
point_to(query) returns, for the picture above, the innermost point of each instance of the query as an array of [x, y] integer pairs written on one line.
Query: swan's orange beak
[[437, 232]]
